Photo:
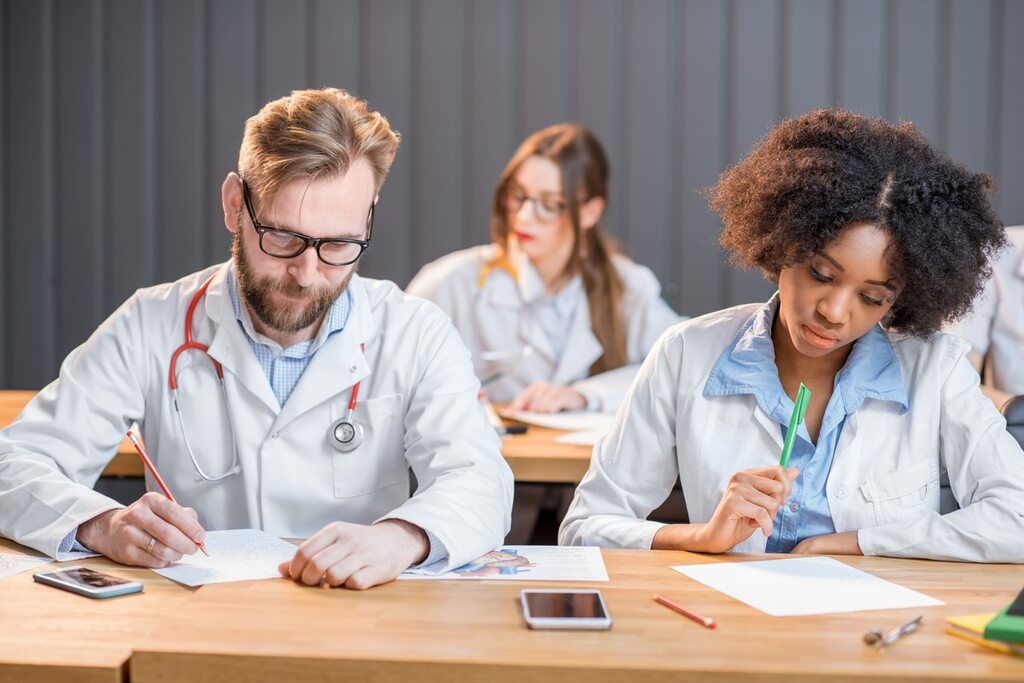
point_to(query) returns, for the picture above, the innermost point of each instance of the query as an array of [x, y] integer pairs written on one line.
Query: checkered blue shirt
[[283, 367]]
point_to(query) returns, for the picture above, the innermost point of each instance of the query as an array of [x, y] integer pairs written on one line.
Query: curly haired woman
[[875, 241]]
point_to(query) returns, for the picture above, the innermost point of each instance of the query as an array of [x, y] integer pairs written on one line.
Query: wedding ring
[[149, 546]]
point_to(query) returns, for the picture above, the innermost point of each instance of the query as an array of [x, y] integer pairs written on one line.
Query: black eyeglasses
[[338, 251]]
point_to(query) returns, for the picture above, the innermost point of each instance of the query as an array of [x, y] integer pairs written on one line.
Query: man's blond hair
[[313, 134]]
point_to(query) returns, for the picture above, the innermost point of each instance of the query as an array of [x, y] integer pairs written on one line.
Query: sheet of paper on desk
[[575, 421], [11, 564], [584, 438], [235, 555], [526, 563], [804, 585]]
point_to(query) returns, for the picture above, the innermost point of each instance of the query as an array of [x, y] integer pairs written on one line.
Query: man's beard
[[289, 319]]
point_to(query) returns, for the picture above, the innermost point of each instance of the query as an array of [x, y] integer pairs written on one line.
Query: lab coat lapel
[[229, 346], [582, 349], [337, 365], [504, 292]]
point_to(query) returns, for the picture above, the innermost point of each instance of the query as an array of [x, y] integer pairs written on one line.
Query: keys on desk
[[883, 640]]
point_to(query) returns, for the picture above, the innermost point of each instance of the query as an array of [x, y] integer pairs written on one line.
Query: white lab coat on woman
[[417, 402], [496, 322], [884, 479], [996, 325]]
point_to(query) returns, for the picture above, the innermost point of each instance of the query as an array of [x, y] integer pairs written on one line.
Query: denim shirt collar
[[337, 317], [747, 366]]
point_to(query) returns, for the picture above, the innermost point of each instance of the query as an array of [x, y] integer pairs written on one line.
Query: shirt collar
[[337, 317], [747, 366]]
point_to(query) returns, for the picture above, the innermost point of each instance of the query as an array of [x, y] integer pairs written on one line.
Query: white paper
[[11, 564], [584, 438], [235, 555], [526, 563], [573, 421], [804, 585]]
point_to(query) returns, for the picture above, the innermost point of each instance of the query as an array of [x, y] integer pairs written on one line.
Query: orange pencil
[[156, 475], [693, 616]]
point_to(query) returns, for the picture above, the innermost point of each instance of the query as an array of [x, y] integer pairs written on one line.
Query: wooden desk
[[533, 457], [462, 631], [48, 634]]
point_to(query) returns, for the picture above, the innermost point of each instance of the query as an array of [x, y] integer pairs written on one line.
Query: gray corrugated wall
[[121, 117]]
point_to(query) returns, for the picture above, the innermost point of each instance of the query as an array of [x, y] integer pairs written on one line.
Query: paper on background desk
[[11, 564], [526, 563], [584, 438], [804, 585], [572, 421], [235, 555]]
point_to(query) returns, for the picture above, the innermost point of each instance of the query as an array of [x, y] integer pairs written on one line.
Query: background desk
[[472, 630], [533, 457]]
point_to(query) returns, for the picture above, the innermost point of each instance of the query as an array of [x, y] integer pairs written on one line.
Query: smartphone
[[554, 608], [88, 582]]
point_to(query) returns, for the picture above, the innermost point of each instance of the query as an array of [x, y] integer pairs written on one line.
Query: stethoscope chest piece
[[345, 434]]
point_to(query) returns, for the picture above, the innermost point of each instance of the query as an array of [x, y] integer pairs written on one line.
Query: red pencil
[[156, 475], [693, 616]]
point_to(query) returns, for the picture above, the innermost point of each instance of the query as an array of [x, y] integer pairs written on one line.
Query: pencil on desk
[[707, 622], [156, 475]]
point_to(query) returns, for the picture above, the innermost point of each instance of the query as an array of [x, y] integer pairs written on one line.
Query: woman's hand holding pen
[[751, 500], [151, 532]]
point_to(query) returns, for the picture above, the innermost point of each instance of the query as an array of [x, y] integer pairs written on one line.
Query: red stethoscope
[[345, 434]]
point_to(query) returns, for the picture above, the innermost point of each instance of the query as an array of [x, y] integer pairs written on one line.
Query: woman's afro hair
[[816, 174]]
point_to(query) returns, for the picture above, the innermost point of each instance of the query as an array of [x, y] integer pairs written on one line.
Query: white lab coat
[[996, 325], [495, 318], [884, 480], [417, 402]]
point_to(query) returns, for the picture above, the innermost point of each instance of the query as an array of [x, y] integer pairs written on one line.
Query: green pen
[[803, 396]]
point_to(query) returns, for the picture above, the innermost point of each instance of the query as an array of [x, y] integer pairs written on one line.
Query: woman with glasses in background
[[555, 315]]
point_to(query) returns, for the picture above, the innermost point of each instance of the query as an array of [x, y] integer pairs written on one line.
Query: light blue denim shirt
[[747, 366], [283, 367]]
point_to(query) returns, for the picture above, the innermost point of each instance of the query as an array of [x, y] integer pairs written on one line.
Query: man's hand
[[845, 543], [357, 556], [545, 397], [151, 532]]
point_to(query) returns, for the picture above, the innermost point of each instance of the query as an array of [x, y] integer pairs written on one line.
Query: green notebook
[[1008, 625]]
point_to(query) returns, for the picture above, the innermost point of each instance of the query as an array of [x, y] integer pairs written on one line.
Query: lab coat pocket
[[904, 494], [379, 461]]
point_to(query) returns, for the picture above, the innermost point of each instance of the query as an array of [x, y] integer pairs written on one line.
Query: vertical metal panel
[[1010, 172], [29, 264], [387, 60], [231, 84], [336, 44], [543, 88], [283, 50], [863, 64], [77, 231], [809, 69], [701, 153], [756, 105], [916, 93], [597, 95], [5, 281], [969, 98], [439, 87], [130, 193], [182, 216], [649, 134], [491, 102], [121, 118]]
